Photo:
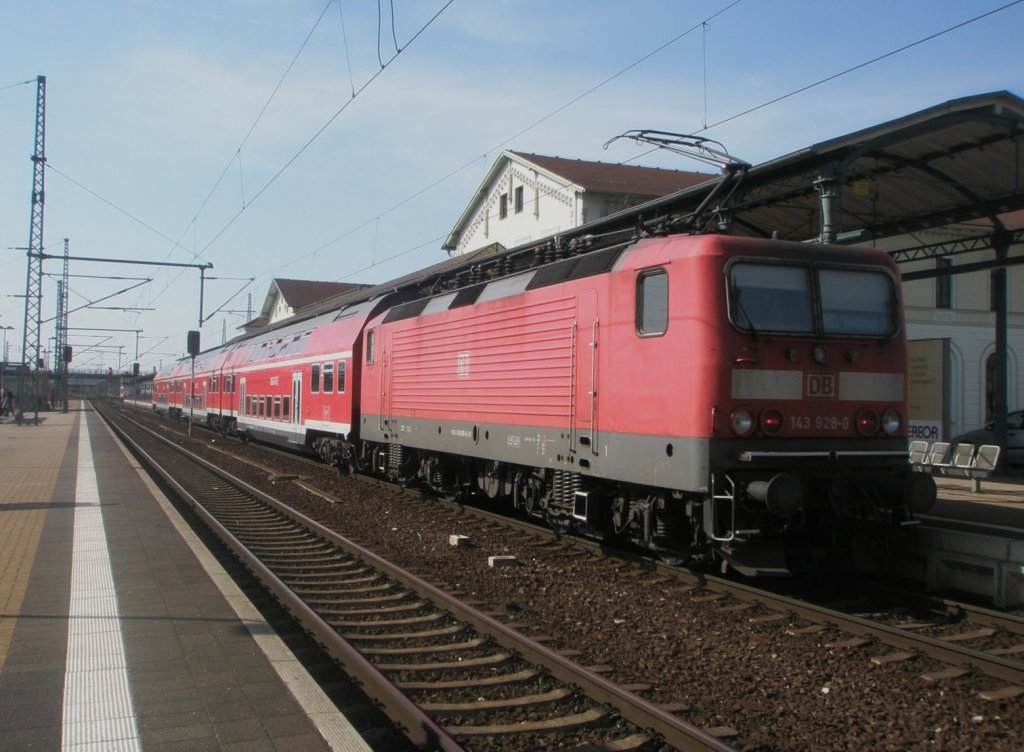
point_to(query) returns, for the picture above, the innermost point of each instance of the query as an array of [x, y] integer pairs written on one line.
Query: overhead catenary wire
[[501, 145], [866, 63], [19, 83], [705, 125], [259, 116], [51, 168], [245, 205], [320, 131], [348, 58]]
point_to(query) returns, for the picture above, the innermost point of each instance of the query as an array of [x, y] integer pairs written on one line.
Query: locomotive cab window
[[806, 299], [771, 298], [858, 302], [652, 303]]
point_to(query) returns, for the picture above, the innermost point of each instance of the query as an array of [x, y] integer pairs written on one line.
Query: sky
[[312, 139]]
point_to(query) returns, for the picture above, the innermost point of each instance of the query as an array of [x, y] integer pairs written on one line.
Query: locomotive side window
[[771, 298], [328, 378], [341, 377], [856, 302], [652, 303], [314, 378], [369, 346]]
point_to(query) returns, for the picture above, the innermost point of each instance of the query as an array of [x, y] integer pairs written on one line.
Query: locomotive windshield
[[782, 299]]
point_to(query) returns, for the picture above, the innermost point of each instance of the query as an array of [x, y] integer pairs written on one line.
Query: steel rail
[[675, 731], [946, 652], [421, 729]]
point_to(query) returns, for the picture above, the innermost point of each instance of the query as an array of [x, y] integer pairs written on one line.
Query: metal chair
[[919, 452]]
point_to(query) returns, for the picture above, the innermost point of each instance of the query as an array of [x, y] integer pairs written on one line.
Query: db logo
[[820, 386], [462, 365]]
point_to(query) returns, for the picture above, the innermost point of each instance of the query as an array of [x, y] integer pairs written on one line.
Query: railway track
[[891, 638], [452, 676], [911, 624]]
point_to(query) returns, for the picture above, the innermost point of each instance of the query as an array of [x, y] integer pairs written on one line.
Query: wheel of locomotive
[[358, 461], [490, 480], [518, 482], [620, 514], [527, 492]]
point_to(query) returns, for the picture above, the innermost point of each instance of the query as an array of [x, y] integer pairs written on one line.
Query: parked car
[[1014, 437]]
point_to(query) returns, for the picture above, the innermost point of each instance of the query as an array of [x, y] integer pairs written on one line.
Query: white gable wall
[[548, 206], [281, 309]]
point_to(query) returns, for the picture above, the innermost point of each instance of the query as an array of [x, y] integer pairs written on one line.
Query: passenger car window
[[314, 378], [341, 377], [652, 303], [328, 378]]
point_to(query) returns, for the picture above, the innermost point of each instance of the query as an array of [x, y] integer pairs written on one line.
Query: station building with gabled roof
[[530, 196]]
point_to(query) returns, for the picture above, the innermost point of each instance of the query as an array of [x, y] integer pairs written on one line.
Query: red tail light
[[771, 421], [867, 422]]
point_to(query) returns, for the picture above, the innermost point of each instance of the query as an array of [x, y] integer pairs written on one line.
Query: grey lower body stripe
[[98, 711]]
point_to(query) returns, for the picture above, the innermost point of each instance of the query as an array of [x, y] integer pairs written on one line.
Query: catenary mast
[[34, 281]]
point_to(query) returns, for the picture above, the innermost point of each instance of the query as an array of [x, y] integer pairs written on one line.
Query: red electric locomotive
[[707, 397], [694, 395]]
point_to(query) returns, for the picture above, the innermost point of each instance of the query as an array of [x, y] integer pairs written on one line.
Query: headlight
[[741, 421], [891, 421]]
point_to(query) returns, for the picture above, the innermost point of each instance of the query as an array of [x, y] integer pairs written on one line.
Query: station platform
[[997, 508], [118, 629]]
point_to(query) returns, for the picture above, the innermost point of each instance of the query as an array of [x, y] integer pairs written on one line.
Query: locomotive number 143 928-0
[[819, 422]]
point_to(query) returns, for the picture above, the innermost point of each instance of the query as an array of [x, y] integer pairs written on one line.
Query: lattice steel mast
[[60, 364], [34, 280]]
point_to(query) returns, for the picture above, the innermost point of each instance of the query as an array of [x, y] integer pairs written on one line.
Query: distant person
[[8, 403]]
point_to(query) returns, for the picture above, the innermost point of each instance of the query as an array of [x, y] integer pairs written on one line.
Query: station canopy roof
[[958, 161]]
